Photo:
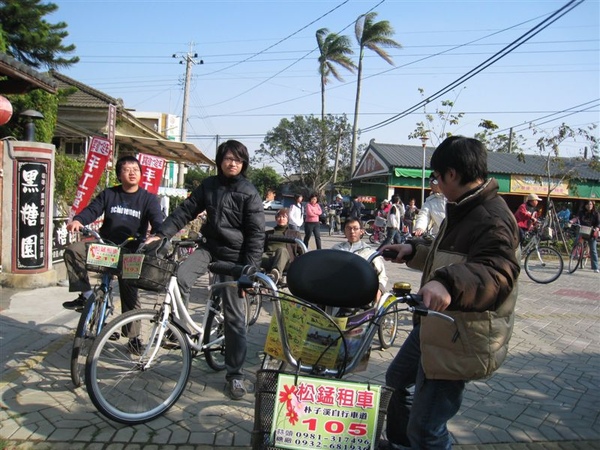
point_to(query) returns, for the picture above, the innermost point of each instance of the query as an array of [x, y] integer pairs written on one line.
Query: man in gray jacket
[[470, 273]]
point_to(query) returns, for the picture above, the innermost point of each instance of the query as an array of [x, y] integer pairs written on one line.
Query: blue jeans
[[419, 420], [393, 236], [593, 243]]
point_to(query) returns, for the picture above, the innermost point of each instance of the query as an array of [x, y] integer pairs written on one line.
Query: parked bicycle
[[543, 263], [135, 387], [580, 253], [103, 258]]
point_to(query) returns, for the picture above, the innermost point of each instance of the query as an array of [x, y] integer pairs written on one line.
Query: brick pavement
[[545, 396]]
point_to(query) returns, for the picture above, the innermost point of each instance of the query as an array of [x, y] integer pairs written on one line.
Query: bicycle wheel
[[543, 264], [369, 224], [388, 328], [575, 257], [253, 305], [214, 337], [374, 238], [127, 388], [87, 330]]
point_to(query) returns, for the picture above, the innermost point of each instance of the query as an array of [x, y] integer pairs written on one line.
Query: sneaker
[[76, 304], [115, 336], [275, 275], [235, 389], [597, 271], [135, 346]]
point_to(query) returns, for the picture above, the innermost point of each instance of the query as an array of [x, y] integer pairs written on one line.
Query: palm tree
[[334, 49], [374, 36]]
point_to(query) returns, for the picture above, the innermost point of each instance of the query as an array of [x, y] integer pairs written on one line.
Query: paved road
[[547, 395]]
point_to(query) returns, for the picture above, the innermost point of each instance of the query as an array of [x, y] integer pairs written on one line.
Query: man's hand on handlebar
[[435, 296], [396, 252], [75, 225], [152, 239], [418, 232]]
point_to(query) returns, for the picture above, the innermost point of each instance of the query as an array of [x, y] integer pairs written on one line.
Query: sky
[[259, 64]]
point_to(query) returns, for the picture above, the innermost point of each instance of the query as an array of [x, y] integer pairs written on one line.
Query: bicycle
[[307, 340], [580, 254], [542, 263], [133, 387], [99, 306]]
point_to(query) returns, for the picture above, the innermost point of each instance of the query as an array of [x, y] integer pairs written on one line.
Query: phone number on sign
[[312, 440]]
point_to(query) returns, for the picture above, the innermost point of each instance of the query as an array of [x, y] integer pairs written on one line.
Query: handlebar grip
[[389, 253], [286, 239], [231, 269]]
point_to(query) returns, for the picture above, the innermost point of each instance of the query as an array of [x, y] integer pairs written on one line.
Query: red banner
[[153, 168], [97, 157]]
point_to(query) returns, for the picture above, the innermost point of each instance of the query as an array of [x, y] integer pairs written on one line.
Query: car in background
[[272, 205]]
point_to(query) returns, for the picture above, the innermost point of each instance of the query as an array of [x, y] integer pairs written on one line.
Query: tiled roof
[[21, 73], [85, 96], [502, 163]]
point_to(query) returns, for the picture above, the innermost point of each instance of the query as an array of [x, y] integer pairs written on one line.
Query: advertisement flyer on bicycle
[[103, 255], [313, 337], [319, 413]]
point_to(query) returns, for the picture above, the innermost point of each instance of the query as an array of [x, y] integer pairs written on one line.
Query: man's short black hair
[[238, 150], [124, 160], [467, 156]]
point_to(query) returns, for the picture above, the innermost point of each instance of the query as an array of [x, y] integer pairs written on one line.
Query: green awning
[[401, 172]]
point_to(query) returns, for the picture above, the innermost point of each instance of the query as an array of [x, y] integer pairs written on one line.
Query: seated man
[[353, 231], [278, 255]]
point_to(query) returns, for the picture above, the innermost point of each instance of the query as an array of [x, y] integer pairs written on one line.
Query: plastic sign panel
[[132, 266], [320, 413], [103, 255]]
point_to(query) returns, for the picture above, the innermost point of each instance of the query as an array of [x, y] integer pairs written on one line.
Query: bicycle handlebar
[[288, 240]]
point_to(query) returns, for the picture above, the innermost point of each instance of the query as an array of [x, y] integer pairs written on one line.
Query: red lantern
[[6, 110]]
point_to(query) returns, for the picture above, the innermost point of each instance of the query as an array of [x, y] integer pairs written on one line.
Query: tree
[[31, 39], [374, 36], [500, 143], [265, 179], [306, 147], [333, 49], [434, 126], [194, 177]]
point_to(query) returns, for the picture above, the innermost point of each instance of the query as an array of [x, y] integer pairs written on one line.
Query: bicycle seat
[[333, 278]]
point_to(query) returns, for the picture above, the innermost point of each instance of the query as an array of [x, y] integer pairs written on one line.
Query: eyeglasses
[[433, 179], [282, 216], [230, 160], [354, 230], [132, 170]]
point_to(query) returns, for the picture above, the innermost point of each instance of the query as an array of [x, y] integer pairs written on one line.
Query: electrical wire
[[488, 62]]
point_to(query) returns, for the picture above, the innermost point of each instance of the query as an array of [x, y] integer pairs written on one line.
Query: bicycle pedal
[[115, 336]]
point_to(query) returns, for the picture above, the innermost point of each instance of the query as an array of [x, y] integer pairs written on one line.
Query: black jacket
[[235, 219]]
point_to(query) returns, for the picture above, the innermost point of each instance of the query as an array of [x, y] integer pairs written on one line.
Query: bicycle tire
[[253, 305], [86, 332], [373, 239], [388, 329], [543, 264], [119, 385], [575, 257], [214, 332], [368, 227]]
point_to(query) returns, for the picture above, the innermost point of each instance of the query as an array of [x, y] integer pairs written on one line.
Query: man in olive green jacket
[[470, 273]]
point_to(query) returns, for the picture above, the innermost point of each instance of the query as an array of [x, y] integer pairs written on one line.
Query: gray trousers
[[234, 309]]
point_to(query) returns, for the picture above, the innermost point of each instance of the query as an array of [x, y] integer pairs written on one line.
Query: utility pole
[[190, 60]]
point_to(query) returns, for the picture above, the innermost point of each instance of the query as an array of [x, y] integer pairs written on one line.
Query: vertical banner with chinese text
[[153, 168], [97, 158], [111, 124], [31, 204]]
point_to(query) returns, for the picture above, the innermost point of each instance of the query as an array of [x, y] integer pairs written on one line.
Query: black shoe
[[76, 304], [115, 336], [169, 341], [235, 389], [135, 346]]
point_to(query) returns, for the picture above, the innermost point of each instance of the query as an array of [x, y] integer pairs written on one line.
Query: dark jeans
[[75, 256], [233, 306], [393, 236], [419, 420], [312, 228]]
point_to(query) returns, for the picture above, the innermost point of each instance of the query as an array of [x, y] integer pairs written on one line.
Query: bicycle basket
[[148, 272], [102, 257], [380, 222], [585, 232], [268, 401], [547, 234]]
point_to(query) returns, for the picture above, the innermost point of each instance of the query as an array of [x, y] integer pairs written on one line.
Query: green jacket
[[476, 257]]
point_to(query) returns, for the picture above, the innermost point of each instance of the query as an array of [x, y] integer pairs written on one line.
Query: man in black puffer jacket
[[234, 231]]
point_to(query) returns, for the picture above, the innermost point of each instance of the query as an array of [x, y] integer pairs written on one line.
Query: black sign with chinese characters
[[61, 238], [30, 244]]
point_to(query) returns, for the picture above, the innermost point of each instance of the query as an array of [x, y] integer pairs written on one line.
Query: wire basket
[[585, 231], [102, 258], [265, 404], [148, 272]]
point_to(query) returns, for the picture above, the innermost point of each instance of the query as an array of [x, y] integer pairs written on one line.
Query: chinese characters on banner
[[97, 158], [111, 122], [153, 168], [319, 413], [31, 204]]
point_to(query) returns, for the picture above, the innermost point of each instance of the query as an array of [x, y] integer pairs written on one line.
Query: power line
[[496, 57]]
